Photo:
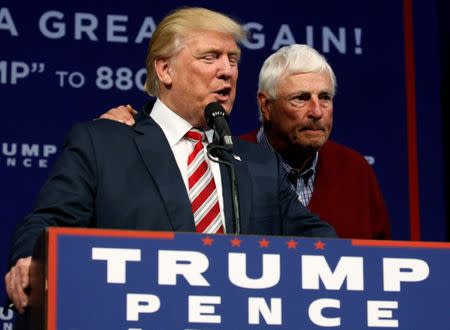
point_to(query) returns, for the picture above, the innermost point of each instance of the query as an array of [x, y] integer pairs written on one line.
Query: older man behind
[[295, 97]]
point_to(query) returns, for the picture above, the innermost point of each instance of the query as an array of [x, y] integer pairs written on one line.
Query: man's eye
[[234, 60], [303, 97], [209, 58], [325, 96]]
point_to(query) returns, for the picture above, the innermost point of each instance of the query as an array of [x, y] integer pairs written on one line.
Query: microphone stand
[[219, 151]]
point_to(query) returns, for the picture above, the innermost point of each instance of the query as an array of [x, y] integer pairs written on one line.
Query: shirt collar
[[263, 141], [173, 126]]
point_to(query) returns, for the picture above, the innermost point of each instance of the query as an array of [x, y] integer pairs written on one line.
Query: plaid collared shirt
[[302, 183]]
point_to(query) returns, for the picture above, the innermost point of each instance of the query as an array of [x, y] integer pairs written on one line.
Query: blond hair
[[171, 32]]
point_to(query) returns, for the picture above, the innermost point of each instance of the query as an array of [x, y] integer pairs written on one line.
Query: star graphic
[[207, 241], [291, 244], [235, 242], [263, 243], [319, 245]]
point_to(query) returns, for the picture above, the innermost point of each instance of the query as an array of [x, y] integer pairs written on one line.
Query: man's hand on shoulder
[[123, 114], [17, 280]]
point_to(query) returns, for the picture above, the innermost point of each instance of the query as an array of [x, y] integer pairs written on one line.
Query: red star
[[292, 244], [319, 245], [263, 243], [207, 241], [236, 242]]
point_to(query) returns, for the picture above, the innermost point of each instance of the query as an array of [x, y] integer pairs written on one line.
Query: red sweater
[[346, 193]]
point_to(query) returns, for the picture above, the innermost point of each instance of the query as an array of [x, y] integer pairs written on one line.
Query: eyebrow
[[300, 92], [237, 51]]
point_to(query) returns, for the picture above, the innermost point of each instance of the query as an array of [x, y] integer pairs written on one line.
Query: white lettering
[[189, 264], [116, 260], [202, 309], [7, 23], [329, 37], [141, 303], [379, 314], [85, 23], [49, 149], [310, 36], [112, 28], [30, 150], [58, 28], [6, 315], [237, 271], [397, 270], [43, 163], [19, 70], [258, 306], [12, 151], [316, 315], [259, 38], [284, 37], [315, 267], [8, 326], [26, 162], [146, 30], [11, 162]]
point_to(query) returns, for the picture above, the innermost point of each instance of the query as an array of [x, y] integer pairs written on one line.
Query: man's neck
[[296, 159]]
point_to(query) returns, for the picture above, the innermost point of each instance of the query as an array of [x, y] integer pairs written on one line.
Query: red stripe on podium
[[400, 244]]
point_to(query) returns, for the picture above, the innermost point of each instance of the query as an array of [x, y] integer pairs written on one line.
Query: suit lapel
[[161, 165]]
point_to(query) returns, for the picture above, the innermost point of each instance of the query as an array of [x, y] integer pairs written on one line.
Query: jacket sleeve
[[297, 219], [67, 197]]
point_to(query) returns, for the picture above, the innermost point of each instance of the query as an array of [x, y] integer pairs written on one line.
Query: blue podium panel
[[107, 279]]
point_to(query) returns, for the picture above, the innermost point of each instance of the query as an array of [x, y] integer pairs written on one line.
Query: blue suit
[[110, 175]]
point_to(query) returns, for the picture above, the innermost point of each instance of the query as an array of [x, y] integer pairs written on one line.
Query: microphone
[[215, 117]]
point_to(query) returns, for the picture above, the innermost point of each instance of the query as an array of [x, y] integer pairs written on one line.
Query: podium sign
[[108, 279]]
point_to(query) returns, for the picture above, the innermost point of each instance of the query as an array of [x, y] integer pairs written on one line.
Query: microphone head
[[212, 111]]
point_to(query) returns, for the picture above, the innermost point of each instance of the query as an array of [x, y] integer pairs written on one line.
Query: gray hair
[[297, 58]]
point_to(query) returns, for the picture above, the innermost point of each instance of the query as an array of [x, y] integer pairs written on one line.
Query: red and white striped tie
[[202, 188]]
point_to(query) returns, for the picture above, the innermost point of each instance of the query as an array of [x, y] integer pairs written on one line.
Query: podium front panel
[[108, 279]]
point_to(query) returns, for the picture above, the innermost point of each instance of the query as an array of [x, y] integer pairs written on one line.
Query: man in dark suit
[[114, 176]]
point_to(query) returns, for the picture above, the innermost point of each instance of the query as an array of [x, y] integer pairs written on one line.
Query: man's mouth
[[311, 128], [223, 93]]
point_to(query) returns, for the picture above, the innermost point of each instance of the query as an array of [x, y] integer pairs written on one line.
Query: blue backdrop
[[66, 62]]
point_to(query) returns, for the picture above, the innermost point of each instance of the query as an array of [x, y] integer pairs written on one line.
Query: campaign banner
[[110, 279], [66, 62]]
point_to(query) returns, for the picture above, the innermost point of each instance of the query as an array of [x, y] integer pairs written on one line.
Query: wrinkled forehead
[[211, 36], [306, 81], [208, 40]]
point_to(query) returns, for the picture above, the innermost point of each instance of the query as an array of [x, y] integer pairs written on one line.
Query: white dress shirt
[[175, 128]]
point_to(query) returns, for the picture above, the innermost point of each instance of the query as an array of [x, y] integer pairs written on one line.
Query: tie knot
[[196, 135]]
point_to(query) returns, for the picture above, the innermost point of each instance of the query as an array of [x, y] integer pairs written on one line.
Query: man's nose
[[315, 110], [225, 69]]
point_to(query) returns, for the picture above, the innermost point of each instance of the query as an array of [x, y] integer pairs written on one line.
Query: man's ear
[[164, 71], [264, 106]]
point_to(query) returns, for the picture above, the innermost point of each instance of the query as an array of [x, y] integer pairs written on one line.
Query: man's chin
[[227, 106], [311, 145]]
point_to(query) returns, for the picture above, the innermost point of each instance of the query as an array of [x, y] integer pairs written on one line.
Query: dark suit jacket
[[110, 175]]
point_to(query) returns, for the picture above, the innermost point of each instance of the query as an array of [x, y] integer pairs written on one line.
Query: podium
[[115, 279]]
